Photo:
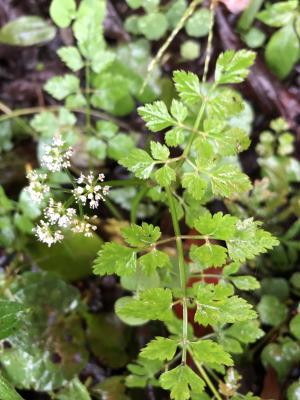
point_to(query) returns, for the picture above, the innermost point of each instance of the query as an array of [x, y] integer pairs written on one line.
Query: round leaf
[[27, 31]]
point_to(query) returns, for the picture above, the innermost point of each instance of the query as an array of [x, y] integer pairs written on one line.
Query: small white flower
[[57, 155], [83, 226], [37, 188], [57, 214], [90, 190], [46, 234]]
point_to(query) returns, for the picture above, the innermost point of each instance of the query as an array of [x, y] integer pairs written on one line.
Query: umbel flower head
[[46, 233], [57, 155], [37, 188], [90, 190], [56, 213], [58, 217]]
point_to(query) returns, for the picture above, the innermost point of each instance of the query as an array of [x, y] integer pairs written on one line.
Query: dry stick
[[213, 5], [188, 12]]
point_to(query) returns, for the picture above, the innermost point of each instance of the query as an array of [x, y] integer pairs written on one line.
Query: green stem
[[135, 203], [88, 99], [113, 209], [207, 380], [195, 127], [182, 273], [188, 12]]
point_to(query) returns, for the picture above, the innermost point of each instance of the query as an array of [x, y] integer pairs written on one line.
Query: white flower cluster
[[58, 217], [37, 188], [90, 190], [57, 155]]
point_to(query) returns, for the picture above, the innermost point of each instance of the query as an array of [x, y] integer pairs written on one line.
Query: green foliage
[[181, 381], [207, 351], [151, 304], [216, 304], [26, 31], [160, 349], [7, 391], [203, 123], [62, 12], [271, 310], [281, 356], [282, 15], [11, 316]]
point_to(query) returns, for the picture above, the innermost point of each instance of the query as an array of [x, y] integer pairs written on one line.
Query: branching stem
[[182, 273]]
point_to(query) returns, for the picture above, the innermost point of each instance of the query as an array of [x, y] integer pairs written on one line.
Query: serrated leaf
[[224, 104], [156, 116], [181, 381], [227, 180], [62, 12], [114, 258], [209, 255], [245, 282], [141, 236], [160, 348], [179, 110], [153, 260], [165, 176], [194, 184], [278, 14], [139, 162], [225, 141], [159, 151], [249, 241], [62, 86], [215, 304], [174, 137], [208, 351], [245, 331], [151, 304], [218, 226], [233, 67], [71, 57], [188, 86]]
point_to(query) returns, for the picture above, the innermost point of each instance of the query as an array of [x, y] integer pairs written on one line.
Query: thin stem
[[113, 209], [9, 114], [88, 98], [136, 202], [207, 380], [182, 273], [209, 40], [196, 126], [188, 12]]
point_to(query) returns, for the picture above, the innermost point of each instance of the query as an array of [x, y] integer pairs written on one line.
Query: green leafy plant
[[190, 172], [198, 122], [159, 18], [285, 16]]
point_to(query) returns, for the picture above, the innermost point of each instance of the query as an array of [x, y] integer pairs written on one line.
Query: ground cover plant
[[149, 205]]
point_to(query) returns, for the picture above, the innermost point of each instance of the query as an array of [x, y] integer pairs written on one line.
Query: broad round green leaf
[[293, 392], [27, 31], [295, 326], [282, 51]]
